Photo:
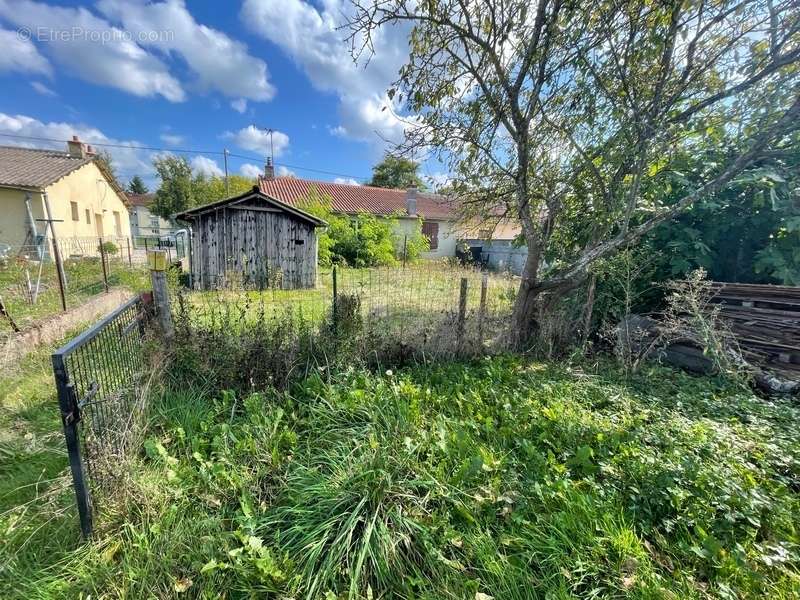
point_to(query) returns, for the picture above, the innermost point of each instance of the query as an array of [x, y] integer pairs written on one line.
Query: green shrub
[[362, 240], [110, 248]]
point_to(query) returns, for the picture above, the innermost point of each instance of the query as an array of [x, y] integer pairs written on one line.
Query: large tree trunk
[[524, 318]]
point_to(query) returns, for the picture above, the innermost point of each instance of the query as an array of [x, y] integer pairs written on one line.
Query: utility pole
[[227, 187], [62, 278]]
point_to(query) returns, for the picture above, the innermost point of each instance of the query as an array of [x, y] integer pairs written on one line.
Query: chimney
[[411, 201], [75, 148], [269, 170], [89, 150]]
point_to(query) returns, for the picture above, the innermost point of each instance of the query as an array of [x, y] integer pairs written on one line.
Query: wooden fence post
[[102, 249], [4, 313], [157, 261], [482, 309], [62, 277], [462, 312], [130, 258]]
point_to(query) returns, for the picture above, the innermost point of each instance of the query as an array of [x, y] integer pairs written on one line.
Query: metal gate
[[98, 379]]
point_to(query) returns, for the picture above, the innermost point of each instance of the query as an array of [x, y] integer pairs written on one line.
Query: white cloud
[[309, 35], [202, 165], [43, 89], [131, 46], [19, 54], [119, 63], [282, 171], [172, 139], [218, 62], [239, 105], [258, 140], [250, 170], [346, 181], [128, 161], [438, 180]]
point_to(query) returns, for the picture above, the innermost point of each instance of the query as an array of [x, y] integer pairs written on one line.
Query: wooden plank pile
[[765, 319]]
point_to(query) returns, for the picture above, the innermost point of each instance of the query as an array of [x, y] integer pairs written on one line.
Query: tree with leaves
[[137, 186], [106, 161], [175, 193], [396, 172], [556, 112], [210, 189]]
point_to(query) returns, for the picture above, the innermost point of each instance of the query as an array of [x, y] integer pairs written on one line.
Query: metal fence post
[[462, 311], [157, 260], [130, 258], [335, 294], [103, 261], [70, 417]]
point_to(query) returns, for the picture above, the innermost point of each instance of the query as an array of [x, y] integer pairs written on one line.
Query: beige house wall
[[448, 236], [90, 190], [141, 223], [14, 218], [87, 187]]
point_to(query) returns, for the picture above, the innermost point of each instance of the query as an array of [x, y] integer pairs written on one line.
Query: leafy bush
[[110, 248], [363, 240]]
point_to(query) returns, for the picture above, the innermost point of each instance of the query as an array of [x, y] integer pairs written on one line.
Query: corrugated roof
[[353, 199], [33, 168]]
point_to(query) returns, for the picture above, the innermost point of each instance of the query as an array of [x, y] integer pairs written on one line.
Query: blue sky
[[189, 75]]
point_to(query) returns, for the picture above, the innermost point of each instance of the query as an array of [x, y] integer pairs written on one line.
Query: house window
[[430, 229], [74, 207], [117, 223], [88, 217], [154, 222]]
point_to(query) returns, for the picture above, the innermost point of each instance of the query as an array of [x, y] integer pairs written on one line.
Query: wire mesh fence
[[99, 377], [34, 285], [254, 337]]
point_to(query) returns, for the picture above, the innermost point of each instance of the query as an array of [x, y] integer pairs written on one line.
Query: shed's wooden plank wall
[[263, 246]]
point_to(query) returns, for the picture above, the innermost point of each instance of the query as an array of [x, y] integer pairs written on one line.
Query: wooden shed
[[252, 240]]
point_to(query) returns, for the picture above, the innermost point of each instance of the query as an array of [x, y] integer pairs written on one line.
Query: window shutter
[[430, 229]]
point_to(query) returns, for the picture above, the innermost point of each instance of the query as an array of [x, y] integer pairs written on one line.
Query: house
[[85, 201], [252, 239], [145, 223], [440, 218]]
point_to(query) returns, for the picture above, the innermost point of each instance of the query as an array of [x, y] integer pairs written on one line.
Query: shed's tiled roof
[[357, 198], [145, 200], [33, 168]]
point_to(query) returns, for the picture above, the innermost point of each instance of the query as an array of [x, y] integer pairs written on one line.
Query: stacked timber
[[765, 320]]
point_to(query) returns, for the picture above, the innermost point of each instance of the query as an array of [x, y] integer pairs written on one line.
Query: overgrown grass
[[37, 517], [84, 280], [494, 478], [391, 294]]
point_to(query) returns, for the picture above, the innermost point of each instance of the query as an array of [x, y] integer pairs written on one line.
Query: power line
[[185, 151]]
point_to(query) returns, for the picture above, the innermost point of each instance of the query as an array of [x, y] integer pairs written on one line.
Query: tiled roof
[[145, 200], [32, 168], [357, 198]]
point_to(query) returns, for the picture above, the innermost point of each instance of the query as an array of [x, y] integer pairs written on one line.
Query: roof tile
[[28, 167], [354, 199]]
